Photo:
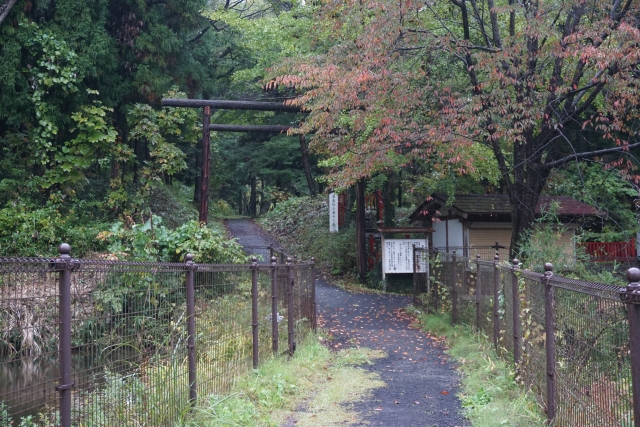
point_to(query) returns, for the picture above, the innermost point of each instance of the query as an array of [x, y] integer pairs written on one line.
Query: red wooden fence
[[611, 251]]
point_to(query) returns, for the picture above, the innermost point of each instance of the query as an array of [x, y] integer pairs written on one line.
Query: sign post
[[333, 213]]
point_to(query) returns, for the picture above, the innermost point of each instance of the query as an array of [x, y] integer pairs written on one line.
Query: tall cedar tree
[[539, 82]]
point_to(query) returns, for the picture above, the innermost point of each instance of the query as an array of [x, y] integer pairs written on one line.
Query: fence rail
[[575, 344], [102, 343], [264, 254]]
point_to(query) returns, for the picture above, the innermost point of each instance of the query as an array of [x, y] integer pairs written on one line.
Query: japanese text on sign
[[397, 255], [333, 213]]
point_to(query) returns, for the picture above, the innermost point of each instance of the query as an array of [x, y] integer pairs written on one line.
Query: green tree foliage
[[65, 138], [608, 190], [266, 35], [166, 134], [263, 34], [77, 133], [80, 123], [275, 161]]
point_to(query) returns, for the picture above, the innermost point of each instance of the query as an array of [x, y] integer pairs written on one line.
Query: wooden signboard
[[397, 255]]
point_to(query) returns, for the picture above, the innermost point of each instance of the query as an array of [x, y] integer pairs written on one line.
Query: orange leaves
[[392, 87]]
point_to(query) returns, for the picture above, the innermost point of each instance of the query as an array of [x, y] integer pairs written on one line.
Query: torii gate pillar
[[203, 216]]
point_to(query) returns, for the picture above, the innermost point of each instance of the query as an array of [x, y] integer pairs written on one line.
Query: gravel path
[[422, 385]]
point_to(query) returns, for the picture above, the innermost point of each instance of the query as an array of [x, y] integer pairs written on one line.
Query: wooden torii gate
[[207, 105]]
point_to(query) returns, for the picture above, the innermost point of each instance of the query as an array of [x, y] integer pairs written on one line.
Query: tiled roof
[[478, 204], [499, 203]]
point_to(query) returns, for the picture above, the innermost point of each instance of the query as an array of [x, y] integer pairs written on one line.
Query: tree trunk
[[252, 200], [304, 149], [400, 189], [529, 178], [388, 196], [522, 217], [265, 205], [361, 254]]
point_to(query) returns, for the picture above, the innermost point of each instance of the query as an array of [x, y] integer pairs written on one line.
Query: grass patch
[[324, 383], [489, 395]]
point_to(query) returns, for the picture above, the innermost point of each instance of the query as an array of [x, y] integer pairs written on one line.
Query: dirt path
[[421, 383]]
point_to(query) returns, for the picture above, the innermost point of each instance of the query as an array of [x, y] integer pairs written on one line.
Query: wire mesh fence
[[580, 377], [103, 343], [265, 253], [486, 253], [29, 297], [593, 360]]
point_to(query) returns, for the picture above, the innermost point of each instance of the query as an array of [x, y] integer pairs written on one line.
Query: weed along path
[[421, 384]]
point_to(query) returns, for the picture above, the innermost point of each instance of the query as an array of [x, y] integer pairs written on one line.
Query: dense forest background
[[453, 97], [84, 142]]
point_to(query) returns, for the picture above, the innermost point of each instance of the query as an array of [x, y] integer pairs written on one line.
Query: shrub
[[29, 231], [152, 241], [302, 223]]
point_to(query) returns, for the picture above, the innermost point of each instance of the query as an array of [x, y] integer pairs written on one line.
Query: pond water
[[27, 385]]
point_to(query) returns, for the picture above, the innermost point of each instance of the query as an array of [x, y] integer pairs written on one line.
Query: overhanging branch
[[589, 154], [5, 8]]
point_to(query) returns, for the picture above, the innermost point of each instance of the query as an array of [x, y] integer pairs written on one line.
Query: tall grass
[[489, 393], [321, 381]]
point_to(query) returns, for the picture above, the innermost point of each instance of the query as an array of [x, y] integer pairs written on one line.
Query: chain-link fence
[[581, 377], [104, 343]]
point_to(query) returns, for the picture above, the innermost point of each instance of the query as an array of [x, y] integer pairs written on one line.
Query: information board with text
[[397, 255]]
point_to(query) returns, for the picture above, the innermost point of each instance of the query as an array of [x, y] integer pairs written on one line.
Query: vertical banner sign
[[333, 213]]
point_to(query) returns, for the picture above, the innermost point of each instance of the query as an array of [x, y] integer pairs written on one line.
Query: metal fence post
[[549, 330], [270, 247], [496, 302], [274, 305], [436, 290], [292, 344], [454, 290], [463, 277], [191, 328], [478, 286], [65, 265], [314, 306], [415, 284], [517, 327], [254, 309], [631, 296]]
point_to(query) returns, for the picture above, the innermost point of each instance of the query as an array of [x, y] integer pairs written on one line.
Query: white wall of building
[[455, 232]]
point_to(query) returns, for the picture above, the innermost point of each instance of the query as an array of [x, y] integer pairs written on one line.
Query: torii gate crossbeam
[[205, 153]]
